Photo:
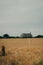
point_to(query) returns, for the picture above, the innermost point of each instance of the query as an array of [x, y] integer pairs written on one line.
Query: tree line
[[7, 36]]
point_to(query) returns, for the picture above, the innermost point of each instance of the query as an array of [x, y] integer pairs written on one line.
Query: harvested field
[[22, 51]]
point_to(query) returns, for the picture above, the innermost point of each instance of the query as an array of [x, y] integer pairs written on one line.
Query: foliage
[[6, 36]]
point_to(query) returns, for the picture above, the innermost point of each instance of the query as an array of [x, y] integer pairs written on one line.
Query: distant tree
[[39, 36], [6, 36], [17, 37], [1, 37]]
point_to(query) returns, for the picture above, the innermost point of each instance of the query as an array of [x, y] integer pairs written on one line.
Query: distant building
[[26, 35]]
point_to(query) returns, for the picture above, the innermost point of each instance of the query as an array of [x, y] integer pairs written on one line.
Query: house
[[26, 35]]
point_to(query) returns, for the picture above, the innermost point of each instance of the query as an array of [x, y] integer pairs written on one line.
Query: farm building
[[26, 35]]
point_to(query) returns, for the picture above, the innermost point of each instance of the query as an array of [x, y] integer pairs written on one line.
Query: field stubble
[[22, 51]]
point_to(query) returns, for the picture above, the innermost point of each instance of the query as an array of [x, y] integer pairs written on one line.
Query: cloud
[[21, 16]]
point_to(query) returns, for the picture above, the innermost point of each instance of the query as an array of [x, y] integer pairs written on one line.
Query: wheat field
[[22, 51]]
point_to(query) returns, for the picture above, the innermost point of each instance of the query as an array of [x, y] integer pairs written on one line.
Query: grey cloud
[[21, 16]]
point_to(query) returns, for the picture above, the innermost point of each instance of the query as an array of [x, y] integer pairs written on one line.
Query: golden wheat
[[22, 51]]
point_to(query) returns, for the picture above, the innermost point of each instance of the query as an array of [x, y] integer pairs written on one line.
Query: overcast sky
[[20, 16]]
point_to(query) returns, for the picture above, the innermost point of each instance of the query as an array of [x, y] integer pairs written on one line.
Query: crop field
[[22, 51]]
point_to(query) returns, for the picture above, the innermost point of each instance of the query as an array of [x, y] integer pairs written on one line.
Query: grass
[[22, 52], [22, 56], [40, 63]]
